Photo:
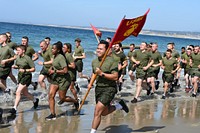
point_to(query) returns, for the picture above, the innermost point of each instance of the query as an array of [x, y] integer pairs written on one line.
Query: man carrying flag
[[106, 71], [106, 88]]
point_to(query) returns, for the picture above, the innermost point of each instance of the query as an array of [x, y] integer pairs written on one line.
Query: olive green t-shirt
[[143, 57], [195, 60], [70, 59], [59, 62], [24, 62], [78, 51], [30, 51], [187, 58], [109, 66], [130, 54], [5, 53], [47, 56], [170, 64], [12, 45], [156, 57], [119, 58], [175, 54]]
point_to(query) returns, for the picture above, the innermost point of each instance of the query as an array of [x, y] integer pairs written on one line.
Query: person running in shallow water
[[7, 56], [105, 89], [170, 66], [195, 69], [31, 53], [131, 66], [13, 46], [25, 66], [47, 63], [119, 57], [78, 56], [60, 80], [142, 58], [152, 73], [185, 59], [67, 47]]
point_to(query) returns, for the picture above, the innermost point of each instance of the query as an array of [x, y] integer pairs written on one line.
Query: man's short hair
[[77, 40], [104, 42]]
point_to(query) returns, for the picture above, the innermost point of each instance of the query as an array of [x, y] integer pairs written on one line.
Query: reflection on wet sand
[[151, 115]]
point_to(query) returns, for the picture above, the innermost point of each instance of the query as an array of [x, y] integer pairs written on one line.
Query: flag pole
[[93, 78], [97, 38]]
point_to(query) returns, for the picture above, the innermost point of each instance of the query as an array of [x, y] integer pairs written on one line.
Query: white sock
[[93, 130], [15, 107], [7, 89], [118, 106]]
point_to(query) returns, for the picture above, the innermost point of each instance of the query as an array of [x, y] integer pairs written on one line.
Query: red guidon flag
[[129, 27], [96, 31]]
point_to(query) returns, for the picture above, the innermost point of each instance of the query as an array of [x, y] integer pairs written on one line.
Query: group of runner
[[147, 61], [60, 66]]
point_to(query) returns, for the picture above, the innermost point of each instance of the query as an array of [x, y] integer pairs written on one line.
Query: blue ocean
[[37, 33]]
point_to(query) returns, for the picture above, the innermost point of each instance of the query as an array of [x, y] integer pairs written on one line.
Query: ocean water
[[37, 33]]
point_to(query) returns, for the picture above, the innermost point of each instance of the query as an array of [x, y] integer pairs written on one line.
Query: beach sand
[[178, 113]]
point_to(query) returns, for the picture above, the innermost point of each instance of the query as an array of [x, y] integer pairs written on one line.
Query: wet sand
[[178, 113]]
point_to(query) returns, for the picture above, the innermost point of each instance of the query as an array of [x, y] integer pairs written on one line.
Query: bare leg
[[18, 94], [195, 84], [27, 94], [130, 73], [3, 82], [73, 90], [138, 87], [80, 74], [165, 87], [52, 92], [12, 77], [153, 84], [186, 80], [64, 98], [100, 110], [2, 86], [41, 81]]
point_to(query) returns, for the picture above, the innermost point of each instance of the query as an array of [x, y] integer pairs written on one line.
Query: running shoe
[[194, 95], [7, 91], [51, 117], [77, 87], [163, 97], [134, 100], [60, 102], [77, 104], [35, 84], [35, 104], [157, 84], [13, 111], [124, 106]]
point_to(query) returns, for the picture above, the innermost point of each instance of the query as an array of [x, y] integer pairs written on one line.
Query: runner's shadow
[[149, 128], [4, 121], [71, 112], [118, 129], [126, 129]]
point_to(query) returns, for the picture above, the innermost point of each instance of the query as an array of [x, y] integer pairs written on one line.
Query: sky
[[164, 15]]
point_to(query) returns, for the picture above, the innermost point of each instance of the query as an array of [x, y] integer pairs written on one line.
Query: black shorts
[[4, 72], [44, 71], [79, 65], [105, 94], [24, 79], [168, 77]]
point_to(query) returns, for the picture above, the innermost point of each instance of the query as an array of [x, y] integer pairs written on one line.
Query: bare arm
[[35, 57]]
